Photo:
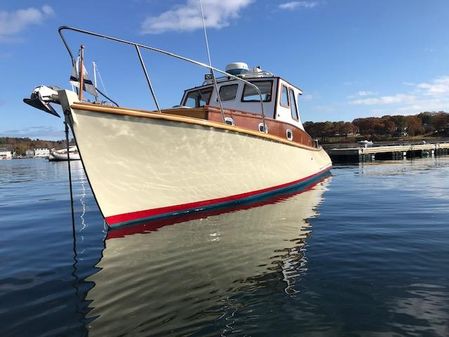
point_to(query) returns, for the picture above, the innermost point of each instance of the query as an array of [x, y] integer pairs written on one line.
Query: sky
[[351, 58]]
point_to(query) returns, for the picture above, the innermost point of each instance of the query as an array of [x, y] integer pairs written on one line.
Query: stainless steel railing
[[139, 46]]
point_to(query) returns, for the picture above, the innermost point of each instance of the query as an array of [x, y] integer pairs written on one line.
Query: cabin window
[[284, 96], [228, 92], [297, 100], [198, 98], [293, 106], [250, 94]]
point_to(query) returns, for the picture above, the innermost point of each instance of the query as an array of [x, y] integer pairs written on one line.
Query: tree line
[[385, 127], [21, 145], [373, 128]]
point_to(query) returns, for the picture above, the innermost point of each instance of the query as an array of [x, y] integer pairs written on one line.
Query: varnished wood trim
[[250, 121], [200, 113], [183, 119]]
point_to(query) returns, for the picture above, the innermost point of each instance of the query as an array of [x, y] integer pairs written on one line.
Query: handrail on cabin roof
[[160, 51]]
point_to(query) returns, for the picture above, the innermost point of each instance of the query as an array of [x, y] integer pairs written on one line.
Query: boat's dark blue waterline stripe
[[118, 221]]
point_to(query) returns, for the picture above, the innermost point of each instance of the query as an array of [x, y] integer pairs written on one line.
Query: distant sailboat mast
[[94, 66], [79, 77], [100, 78]]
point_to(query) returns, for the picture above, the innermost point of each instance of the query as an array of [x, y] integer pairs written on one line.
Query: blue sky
[[352, 58]]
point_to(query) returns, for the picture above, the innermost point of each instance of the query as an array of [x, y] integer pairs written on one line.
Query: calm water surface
[[363, 253]]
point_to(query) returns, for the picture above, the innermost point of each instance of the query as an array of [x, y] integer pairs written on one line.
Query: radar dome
[[237, 68]]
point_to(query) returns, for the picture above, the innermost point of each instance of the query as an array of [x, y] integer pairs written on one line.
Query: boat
[[61, 155], [365, 143], [233, 138]]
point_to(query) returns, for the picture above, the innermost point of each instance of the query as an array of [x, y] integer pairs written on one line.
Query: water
[[363, 253]]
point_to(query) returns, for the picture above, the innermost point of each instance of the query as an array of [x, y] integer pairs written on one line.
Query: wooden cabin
[[241, 103]]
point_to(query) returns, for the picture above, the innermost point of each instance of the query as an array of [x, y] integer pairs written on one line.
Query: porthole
[[263, 128], [229, 121], [289, 134]]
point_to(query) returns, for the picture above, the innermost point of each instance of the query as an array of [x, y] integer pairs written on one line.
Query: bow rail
[[139, 46]]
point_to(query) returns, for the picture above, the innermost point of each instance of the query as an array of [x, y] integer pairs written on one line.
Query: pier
[[388, 152]]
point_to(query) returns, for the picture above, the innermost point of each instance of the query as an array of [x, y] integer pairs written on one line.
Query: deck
[[385, 152]]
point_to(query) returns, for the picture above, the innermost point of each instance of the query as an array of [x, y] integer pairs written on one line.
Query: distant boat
[[61, 155], [366, 143]]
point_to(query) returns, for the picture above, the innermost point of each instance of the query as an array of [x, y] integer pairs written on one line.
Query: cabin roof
[[221, 80]]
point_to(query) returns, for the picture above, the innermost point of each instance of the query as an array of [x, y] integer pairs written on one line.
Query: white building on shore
[[5, 154], [41, 153]]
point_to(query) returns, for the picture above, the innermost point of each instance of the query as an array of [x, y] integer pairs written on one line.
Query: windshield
[[250, 94], [197, 98]]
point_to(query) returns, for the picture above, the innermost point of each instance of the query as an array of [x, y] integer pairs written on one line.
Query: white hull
[[145, 165], [55, 156], [141, 168]]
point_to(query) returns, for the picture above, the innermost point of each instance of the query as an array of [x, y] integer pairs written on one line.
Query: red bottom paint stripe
[[153, 225], [155, 212]]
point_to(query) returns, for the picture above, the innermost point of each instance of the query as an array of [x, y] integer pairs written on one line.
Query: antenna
[[210, 62], [205, 34]]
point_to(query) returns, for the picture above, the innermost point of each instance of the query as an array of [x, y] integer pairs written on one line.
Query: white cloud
[[361, 93], [395, 99], [187, 17], [437, 87], [298, 4], [47, 10], [14, 22], [422, 104], [365, 93], [426, 96], [36, 132]]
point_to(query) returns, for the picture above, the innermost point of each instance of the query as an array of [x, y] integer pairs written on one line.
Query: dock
[[387, 152]]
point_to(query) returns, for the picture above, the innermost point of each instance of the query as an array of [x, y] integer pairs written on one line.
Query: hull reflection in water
[[187, 277]]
